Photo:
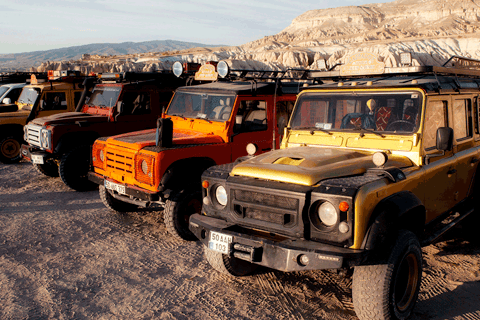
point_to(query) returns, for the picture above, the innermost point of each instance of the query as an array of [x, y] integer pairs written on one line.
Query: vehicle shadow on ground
[[447, 303]]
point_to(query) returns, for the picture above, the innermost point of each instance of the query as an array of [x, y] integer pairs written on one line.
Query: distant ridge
[[28, 59]]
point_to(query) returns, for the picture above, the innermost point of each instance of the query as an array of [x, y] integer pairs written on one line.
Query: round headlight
[[177, 68], [221, 195], [144, 167], [251, 149], [102, 157], [327, 214], [222, 69]]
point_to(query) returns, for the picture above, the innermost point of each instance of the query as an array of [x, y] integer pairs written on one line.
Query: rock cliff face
[[433, 30]]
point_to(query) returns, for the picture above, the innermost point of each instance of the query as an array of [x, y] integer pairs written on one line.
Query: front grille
[[271, 208], [33, 135], [270, 200], [120, 162]]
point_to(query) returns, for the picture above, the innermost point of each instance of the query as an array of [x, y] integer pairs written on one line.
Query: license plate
[[115, 186], [38, 159], [219, 242]]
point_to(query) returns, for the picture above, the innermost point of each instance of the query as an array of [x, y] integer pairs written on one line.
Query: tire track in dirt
[[271, 286]]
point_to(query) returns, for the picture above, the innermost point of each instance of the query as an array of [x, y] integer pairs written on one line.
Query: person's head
[[371, 104]]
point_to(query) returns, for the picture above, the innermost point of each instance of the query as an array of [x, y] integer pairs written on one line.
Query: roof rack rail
[[130, 76], [366, 65], [13, 77]]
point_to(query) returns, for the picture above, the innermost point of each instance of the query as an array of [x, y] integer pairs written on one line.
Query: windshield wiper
[[313, 129], [363, 130], [200, 118], [177, 115]]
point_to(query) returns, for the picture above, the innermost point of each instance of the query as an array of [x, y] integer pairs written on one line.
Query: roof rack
[[133, 76], [17, 77], [220, 71], [366, 65]]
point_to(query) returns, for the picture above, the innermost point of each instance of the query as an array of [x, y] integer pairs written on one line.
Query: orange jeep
[[204, 125]]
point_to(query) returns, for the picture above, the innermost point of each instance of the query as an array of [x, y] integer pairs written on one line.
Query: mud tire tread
[[113, 204], [48, 169], [371, 288], [172, 216], [67, 170], [229, 266]]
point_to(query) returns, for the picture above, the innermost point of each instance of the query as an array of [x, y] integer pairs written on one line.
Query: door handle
[[451, 171]]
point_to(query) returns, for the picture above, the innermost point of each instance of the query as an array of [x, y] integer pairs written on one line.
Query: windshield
[[363, 111], [3, 89], [216, 107], [104, 96], [28, 98]]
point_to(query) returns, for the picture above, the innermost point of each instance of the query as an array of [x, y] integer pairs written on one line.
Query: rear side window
[[462, 119], [435, 117], [55, 101]]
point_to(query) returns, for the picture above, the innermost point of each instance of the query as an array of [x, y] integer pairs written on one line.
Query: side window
[[14, 94], [284, 110], [55, 101], [462, 119], [76, 98], [435, 117], [136, 103], [476, 116], [251, 116]]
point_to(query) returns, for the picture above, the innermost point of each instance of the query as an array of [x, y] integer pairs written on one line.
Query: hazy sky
[[31, 25]]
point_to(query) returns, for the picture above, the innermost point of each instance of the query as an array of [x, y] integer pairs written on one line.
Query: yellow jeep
[[375, 163], [38, 99]]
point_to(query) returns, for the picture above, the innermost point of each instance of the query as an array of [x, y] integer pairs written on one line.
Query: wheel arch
[[401, 211], [73, 139], [185, 170], [11, 128]]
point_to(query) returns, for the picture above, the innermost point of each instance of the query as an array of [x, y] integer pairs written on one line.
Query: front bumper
[[29, 152], [280, 254], [143, 196]]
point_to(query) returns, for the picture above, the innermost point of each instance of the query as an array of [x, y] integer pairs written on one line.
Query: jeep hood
[[146, 138], [309, 165], [68, 117]]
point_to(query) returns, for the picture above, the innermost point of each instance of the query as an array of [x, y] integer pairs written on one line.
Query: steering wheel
[[400, 125]]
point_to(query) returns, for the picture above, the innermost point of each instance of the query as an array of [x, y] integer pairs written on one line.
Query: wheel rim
[[406, 282], [10, 148]]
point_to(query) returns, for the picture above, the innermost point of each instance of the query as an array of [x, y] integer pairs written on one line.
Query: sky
[[34, 25]]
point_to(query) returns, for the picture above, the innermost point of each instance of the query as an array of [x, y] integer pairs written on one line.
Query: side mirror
[[7, 101], [120, 107], [444, 138]]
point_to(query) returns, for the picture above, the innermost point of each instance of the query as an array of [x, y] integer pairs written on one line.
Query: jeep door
[[465, 127], [441, 172], [252, 125]]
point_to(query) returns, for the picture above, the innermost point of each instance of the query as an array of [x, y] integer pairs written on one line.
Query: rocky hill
[[35, 58], [433, 30]]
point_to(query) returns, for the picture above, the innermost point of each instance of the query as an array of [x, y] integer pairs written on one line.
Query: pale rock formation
[[432, 30]]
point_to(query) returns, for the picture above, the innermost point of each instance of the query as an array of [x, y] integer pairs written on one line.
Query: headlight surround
[[98, 154], [45, 138], [328, 214], [221, 195], [144, 168]]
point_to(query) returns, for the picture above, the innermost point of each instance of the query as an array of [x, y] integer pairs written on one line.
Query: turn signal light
[[343, 206], [205, 184]]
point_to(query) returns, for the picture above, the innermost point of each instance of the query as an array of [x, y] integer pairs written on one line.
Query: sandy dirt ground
[[63, 255]]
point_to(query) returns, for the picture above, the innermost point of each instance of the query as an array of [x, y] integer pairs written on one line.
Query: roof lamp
[[322, 65], [222, 69], [177, 68], [406, 58]]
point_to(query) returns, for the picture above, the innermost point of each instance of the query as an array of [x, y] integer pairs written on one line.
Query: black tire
[[390, 290], [74, 167], [113, 204], [177, 213], [10, 149], [230, 266], [49, 168]]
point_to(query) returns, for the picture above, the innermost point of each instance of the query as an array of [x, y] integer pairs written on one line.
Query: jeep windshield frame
[[104, 96], [28, 97], [202, 105], [3, 90], [381, 112]]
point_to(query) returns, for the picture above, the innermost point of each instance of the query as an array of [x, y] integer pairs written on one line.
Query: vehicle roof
[[14, 85], [244, 87], [429, 83]]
